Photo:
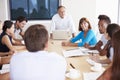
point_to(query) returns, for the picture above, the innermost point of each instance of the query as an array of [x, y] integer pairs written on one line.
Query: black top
[[3, 47], [108, 48]]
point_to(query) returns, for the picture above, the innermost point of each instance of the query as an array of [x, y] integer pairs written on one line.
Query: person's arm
[[96, 58], [104, 50], [73, 35], [52, 28], [4, 53], [5, 59], [72, 41], [5, 76], [105, 61], [97, 46], [21, 32], [76, 38], [17, 42], [68, 43]]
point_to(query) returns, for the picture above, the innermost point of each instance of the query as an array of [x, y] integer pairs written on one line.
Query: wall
[[77, 8], [81, 8], [108, 7], [119, 13]]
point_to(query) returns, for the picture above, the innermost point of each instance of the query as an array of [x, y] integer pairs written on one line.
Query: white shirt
[[39, 65], [17, 34], [104, 40], [65, 23], [111, 54]]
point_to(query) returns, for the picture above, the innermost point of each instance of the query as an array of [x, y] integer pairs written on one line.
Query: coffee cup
[[73, 73], [97, 66]]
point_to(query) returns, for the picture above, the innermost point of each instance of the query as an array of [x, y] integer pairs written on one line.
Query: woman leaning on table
[[86, 35], [113, 72], [7, 42]]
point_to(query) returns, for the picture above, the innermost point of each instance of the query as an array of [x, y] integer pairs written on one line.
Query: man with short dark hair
[[19, 25], [103, 22], [37, 63]]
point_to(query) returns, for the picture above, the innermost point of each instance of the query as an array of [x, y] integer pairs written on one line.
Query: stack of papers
[[85, 50], [91, 75], [73, 52], [5, 68]]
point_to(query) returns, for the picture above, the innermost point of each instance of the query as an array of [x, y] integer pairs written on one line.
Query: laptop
[[61, 34]]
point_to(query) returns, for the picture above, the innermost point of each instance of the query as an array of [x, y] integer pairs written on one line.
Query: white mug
[[73, 73], [97, 66]]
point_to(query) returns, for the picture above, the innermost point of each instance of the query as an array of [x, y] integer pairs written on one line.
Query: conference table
[[78, 62]]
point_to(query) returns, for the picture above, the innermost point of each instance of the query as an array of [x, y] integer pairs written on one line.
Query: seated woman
[[6, 37], [112, 73], [86, 35], [6, 46], [108, 49], [6, 41]]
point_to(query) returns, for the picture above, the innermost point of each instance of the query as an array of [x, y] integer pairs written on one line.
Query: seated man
[[19, 25], [37, 63], [102, 25], [62, 21]]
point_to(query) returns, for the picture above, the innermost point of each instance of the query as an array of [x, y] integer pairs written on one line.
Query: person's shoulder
[[91, 31], [55, 16], [19, 55], [56, 56]]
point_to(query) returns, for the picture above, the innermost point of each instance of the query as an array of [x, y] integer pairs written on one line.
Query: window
[[33, 9]]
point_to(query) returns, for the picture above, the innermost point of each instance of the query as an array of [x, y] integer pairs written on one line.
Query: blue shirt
[[89, 39]]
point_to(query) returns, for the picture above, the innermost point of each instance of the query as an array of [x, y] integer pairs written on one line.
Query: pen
[[72, 66]]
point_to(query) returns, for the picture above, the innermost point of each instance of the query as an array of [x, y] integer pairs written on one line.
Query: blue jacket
[[90, 38]]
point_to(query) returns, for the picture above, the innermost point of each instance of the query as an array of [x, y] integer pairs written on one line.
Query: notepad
[[91, 75], [85, 50], [73, 52], [5, 68]]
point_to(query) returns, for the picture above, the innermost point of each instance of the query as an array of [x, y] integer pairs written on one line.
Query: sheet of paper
[[91, 75], [85, 50], [73, 52], [5, 68]]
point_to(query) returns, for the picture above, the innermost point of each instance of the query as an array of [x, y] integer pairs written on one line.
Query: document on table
[[5, 68], [91, 75], [85, 50], [73, 52]]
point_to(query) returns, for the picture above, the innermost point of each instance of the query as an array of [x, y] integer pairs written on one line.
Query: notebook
[[91, 75], [61, 34], [73, 53]]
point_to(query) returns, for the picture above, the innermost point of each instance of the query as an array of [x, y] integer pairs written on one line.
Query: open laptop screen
[[61, 34]]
